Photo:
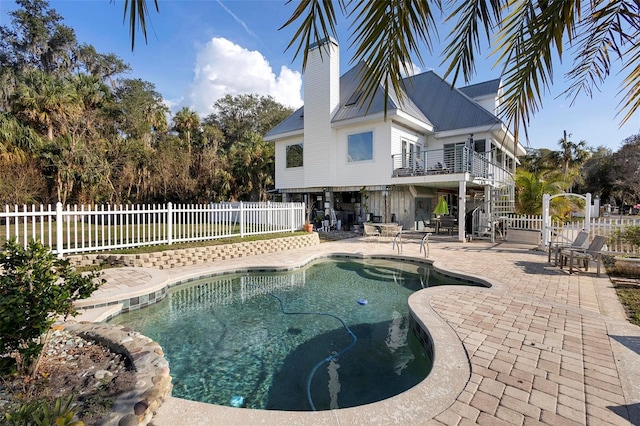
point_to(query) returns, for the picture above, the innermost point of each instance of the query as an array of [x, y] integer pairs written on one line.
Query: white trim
[[464, 131], [291, 134]]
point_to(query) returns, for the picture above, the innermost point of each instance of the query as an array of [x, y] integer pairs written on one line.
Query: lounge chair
[[578, 243], [371, 231], [591, 253]]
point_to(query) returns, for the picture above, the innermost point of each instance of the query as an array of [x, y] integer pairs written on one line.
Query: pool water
[[256, 340]]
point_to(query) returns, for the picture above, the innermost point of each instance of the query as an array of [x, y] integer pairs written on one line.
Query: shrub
[[630, 234], [35, 288], [40, 412]]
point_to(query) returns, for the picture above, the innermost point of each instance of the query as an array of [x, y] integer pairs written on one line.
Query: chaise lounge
[[591, 253]]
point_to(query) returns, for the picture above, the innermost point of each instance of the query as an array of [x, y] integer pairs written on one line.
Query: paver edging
[[153, 381]]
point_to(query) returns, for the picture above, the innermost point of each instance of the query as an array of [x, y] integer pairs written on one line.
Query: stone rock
[[129, 420], [101, 374], [140, 408]]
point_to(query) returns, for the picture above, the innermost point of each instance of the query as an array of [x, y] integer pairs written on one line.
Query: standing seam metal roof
[[428, 98]]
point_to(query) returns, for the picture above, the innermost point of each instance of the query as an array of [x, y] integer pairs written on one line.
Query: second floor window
[[294, 156], [360, 147]]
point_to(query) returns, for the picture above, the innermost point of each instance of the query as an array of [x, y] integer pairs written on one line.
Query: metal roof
[[428, 98], [348, 86], [445, 106], [479, 90], [295, 122]]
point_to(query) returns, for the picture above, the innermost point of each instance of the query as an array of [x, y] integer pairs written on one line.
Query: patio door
[[410, 154]]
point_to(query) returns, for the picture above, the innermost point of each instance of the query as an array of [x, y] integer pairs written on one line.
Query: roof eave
[[464, 131], [413, 121], [379, 116], [278, 136]]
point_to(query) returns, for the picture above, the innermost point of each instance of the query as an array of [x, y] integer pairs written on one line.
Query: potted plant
[[308, 226]]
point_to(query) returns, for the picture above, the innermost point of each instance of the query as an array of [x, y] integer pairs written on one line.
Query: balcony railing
[[457, 159]]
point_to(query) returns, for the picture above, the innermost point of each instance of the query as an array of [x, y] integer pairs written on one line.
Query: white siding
[[360, 173], [489, 103], [288, 178]]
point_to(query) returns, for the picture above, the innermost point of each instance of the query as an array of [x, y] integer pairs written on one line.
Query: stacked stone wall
[[196, 255]]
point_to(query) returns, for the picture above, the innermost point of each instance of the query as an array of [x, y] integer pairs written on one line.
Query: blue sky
[[198, 51]]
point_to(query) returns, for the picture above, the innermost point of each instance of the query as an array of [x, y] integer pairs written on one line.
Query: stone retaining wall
[[153, 384], [197, 255]]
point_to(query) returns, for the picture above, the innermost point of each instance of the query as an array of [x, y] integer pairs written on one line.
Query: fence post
[[587, 214], [169, 223], [241, 213], [293, 211], [59, 232], [546, 220]]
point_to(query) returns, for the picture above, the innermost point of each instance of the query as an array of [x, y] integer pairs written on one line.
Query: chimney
[[321, 102], [322, 78]]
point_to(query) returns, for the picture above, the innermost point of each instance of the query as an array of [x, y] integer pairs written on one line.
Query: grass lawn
[[629, 295], [628, 289]]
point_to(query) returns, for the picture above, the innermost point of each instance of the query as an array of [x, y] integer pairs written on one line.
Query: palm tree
[[573, 155], [530, 187], [525, 37], [185, 122], [46, 101]]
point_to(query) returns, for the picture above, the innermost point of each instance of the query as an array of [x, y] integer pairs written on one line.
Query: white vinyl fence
[[567, 232], [77, 229]]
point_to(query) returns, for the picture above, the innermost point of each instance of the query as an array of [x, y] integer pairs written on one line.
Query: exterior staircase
[[487, 220]]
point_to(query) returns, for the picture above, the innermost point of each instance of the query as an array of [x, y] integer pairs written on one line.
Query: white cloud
[[412, 68], [224, 68]]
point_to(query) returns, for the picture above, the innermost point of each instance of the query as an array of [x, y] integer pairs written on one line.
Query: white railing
[[566, 232], [533, 222], [77, 229], [458, 159]]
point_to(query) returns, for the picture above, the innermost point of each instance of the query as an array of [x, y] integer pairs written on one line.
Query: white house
[[436, 141]]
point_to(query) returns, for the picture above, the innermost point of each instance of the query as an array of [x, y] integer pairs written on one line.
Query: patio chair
[[578, 243], [591, 253], [370, 232], [391, 230]]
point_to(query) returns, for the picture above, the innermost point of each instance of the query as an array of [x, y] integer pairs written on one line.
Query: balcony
[[457, 159]]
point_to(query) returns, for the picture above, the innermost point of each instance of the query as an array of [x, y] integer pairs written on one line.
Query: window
[[294, 156], [354, 98], [360, 147]]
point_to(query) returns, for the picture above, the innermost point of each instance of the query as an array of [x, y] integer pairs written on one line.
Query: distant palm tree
[[573, 155], [185, 122], [46, 101]]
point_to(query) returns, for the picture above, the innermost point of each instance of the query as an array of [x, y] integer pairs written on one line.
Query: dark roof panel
[[445, 106], [348, 89], [485, 88], [290, 124]]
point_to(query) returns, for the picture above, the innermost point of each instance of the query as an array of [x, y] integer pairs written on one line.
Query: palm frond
[[387, 35], [464, 38], [531, 33], [630, 21], [600, 34], [138, 13], [318, 22]]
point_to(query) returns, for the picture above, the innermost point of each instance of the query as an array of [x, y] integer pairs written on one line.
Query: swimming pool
[[235, 340]]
